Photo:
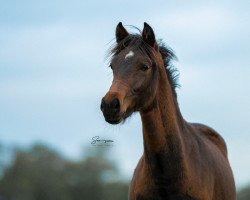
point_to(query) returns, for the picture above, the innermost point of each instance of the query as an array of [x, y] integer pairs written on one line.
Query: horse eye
[[144, 67]]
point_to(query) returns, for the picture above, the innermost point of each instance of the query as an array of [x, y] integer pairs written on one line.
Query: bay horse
[[181, 160]]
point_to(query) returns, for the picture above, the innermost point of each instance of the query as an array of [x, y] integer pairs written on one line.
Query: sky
[[53, 72]]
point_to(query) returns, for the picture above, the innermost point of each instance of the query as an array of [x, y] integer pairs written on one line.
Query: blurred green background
[[39, 172]]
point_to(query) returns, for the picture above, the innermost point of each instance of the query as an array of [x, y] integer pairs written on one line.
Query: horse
[[181, 160]]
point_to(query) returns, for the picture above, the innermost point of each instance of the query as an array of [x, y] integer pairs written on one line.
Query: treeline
[[41, 173], [244, 193]]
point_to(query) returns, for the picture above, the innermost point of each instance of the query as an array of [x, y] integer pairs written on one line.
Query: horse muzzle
[[111, 108], [114, 104]]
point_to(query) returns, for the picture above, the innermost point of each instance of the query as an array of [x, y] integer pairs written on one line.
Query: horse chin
[[120, 118], [114, 121], [127, 114]]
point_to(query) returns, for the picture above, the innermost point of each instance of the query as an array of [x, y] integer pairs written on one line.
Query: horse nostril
[[115, 104], [102, 105]]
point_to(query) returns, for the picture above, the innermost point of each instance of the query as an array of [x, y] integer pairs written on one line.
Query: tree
[[244, 193], [41, 173]]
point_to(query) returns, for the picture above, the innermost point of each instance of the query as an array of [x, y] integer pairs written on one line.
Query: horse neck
[[162, 123]]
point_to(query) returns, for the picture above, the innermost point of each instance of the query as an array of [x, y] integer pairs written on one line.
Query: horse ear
[[120, 33], [148, 35]]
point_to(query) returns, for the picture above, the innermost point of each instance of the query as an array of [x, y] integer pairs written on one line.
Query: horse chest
[[142, 182], [143, 187]]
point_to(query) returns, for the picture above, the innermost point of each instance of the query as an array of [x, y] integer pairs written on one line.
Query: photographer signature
[[97, 141]]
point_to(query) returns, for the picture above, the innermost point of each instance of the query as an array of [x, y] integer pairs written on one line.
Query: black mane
[[167, 54]]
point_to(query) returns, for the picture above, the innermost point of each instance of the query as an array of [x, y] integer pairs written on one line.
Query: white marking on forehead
[[130, 54]]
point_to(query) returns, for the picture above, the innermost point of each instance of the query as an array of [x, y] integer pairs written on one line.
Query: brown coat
[[181, 160]]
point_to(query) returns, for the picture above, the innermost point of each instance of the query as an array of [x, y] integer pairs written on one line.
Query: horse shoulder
[[212, 136]]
